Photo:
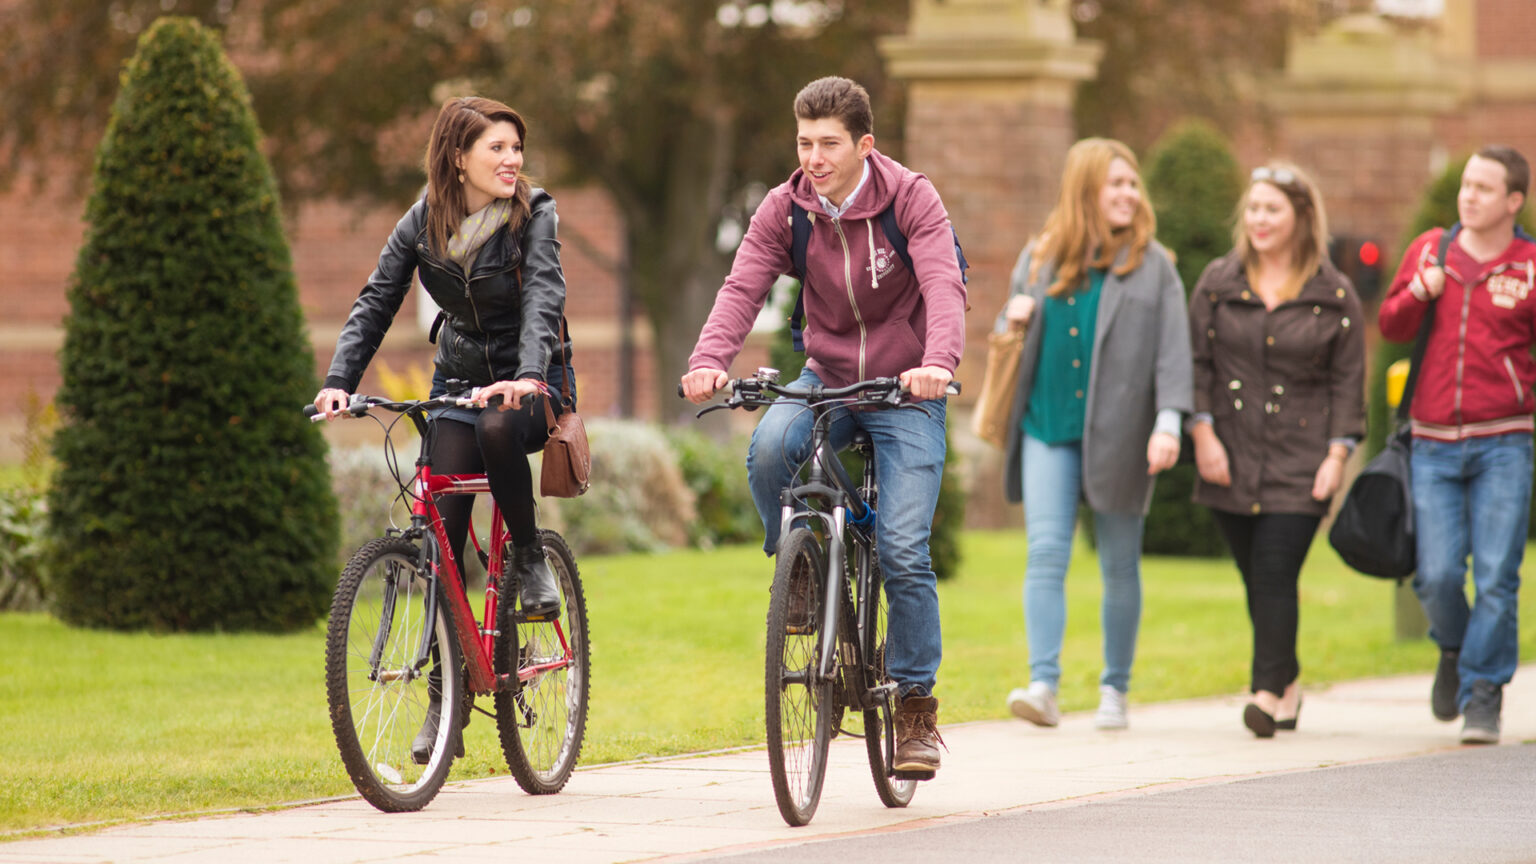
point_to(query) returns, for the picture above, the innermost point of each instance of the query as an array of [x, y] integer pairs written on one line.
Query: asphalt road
[[1471, 806]]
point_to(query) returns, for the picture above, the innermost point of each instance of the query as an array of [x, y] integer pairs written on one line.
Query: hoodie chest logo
[[1507, 289], [881, 263]]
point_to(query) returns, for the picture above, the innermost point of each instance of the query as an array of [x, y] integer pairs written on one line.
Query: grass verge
[[111, 726]]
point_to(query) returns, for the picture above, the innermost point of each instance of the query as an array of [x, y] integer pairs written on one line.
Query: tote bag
[[998, 385]]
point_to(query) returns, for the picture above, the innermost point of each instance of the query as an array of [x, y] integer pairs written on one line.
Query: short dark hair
[[839, 98], [1517, 172]]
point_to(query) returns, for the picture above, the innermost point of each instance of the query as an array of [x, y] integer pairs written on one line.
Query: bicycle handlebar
[[759, 390], [358, 404]]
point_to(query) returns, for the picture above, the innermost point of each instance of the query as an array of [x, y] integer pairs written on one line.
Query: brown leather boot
[[917, 737]]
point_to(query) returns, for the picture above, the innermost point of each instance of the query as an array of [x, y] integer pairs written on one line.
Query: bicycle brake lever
[[719, 406]]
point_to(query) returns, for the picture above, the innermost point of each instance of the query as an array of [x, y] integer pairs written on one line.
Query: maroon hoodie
[[866, 314]]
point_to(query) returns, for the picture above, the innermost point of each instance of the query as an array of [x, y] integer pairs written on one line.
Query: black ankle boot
[[537, 592], [421, 745]]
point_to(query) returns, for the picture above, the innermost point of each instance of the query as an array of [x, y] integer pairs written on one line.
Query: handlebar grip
[[310, 410], [952, 389], [680, 392]]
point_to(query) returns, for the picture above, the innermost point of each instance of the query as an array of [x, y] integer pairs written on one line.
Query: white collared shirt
[[835, 211]]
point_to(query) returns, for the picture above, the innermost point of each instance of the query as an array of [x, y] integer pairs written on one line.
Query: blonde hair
[[1309, 236], [1076, 235]]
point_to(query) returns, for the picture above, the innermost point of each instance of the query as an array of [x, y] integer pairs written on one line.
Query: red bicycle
[[405, 656]]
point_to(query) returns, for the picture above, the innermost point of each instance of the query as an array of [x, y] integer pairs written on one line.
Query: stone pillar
[[989, 120], [1358, 106]]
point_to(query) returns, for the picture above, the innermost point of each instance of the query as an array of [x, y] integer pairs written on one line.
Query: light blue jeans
[[1053, 486], [1473, 497], [909, 461]]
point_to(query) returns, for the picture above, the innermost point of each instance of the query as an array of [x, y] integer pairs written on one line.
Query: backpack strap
[[1421, 342], [799, 239], [898, 239]]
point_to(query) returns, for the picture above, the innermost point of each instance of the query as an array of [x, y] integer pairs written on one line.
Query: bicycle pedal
[[522, 618], [799, 629], [913, 775]]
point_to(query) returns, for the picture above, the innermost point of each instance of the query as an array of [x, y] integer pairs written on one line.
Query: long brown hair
[[1076, 235], [1309, 235], [460, 123]]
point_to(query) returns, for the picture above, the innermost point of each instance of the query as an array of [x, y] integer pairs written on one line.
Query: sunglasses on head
[[1278, 176]]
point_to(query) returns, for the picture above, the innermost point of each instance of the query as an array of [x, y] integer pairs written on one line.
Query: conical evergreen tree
[[190, 494]]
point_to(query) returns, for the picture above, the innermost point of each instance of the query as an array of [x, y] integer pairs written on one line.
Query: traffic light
[[1359, 259]]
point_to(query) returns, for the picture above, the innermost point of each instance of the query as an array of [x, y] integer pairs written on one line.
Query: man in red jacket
[[867, 316], [1472, 428]]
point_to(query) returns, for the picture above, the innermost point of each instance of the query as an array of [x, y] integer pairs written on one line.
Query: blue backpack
[[800, 237]]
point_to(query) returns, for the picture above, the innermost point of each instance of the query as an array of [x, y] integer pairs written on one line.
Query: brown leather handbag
[[567, 470]]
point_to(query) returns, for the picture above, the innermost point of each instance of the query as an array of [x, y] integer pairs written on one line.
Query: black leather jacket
[[494, 328]]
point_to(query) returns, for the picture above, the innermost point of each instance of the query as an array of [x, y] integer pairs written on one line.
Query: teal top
[[1060, 394]]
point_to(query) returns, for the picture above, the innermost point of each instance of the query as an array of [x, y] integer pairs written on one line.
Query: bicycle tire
[[375, 716], [797, 709], [542, 721], [877, 721]]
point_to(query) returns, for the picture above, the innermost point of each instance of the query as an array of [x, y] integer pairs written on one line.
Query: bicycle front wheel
[[542, 716], [392, 676], [878, 728], [798, 706]]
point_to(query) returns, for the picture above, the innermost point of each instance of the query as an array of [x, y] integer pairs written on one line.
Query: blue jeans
[[1052, 488], [909, 461], [1473, 497]]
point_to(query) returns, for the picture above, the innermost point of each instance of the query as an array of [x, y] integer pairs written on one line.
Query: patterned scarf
[[477, 228]]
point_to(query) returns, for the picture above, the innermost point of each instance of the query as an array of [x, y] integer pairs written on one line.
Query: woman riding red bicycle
[[482, 241]]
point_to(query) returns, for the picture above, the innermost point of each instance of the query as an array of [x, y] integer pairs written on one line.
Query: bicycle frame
[[837, 489], [477, 640]]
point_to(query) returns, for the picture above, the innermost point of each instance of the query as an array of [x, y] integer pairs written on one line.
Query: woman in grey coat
[[1103, 385]]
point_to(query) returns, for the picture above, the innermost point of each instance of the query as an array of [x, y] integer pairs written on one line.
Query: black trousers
[[498, 444], [1270, 549]]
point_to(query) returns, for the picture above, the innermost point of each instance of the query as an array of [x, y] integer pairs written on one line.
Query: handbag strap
[[565, 379], [1421, 342]]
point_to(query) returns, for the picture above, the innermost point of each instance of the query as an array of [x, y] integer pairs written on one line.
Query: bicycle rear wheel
[[798, 707], [381, 690], [543, 719], [878, 728]]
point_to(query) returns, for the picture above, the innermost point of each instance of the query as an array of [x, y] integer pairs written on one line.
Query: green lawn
[[104, 726]]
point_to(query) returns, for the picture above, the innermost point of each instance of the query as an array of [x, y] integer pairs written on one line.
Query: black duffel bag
[[1373, 531]]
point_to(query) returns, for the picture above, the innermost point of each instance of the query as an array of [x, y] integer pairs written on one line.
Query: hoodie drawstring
[[874, 271]]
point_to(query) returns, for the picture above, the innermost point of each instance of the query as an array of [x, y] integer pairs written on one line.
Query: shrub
[[367, 495], [717, 475], [190, 493], [639, 500], [1195, 184], [23, 521]]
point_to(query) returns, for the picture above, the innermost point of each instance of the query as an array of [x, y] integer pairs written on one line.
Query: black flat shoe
[[1289, 723], [1259, 721]]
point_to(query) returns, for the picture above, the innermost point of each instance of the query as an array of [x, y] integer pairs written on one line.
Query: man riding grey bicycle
[[867, 315]]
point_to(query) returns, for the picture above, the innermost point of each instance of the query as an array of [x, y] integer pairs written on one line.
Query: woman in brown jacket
[[1279, 353]]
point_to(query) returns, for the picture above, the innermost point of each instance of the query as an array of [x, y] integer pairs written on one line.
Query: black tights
[[498, 444], [1270, 549]]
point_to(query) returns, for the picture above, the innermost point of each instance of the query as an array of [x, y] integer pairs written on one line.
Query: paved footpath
[[721, 805]]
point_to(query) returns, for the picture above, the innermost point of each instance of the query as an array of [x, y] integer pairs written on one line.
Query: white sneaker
[[1111, 714], [1037, 704]]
